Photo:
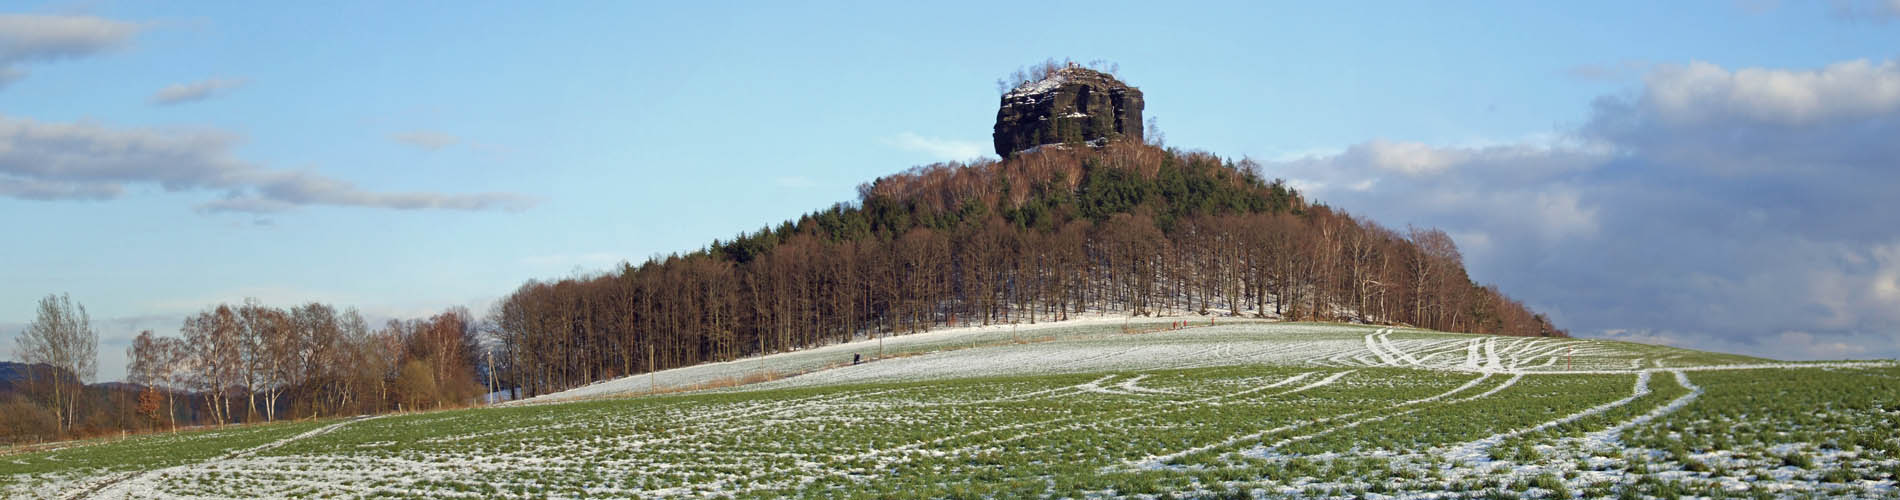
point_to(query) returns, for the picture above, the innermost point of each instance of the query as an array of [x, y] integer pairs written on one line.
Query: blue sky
[[156, 158]]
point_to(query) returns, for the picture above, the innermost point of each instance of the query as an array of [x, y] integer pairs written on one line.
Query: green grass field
[[1318, 426]]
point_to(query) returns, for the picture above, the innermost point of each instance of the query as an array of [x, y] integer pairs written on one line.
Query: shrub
[[21, 421], [416, 387]]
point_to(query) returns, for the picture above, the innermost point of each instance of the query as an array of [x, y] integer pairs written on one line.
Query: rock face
[[1073, 105]]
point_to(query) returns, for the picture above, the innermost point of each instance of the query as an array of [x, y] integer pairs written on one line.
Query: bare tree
[[176, 356], [158, 363], [356, 354], [315, 357], [259, 327], [280, 349], [146, 366], [1435, 252], [216, 357], [62, 337]]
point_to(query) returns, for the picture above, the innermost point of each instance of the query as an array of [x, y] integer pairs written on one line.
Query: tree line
[[247, 362], [1126, 229]]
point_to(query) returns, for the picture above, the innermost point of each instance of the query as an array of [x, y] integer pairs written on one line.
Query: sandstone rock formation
[[1072, 105]]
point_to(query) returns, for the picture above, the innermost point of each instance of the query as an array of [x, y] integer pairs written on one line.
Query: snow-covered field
[[1084, 410], [1100, 344], [823, 358]]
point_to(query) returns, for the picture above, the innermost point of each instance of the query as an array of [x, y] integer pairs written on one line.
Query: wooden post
[[653, 380]]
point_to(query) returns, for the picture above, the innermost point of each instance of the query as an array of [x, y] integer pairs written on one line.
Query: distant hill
[[10, 371], [14, 374]]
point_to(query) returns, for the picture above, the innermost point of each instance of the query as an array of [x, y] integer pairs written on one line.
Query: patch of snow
[[1478, 451], [1051, 82], [1607, 437]]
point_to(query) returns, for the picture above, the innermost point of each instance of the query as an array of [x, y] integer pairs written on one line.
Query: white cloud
[[1457, 181], [1856, 286], [1886, 280], [88, 153], [424, 139], [1700, 92], [1410, 158], [280, 191], [194, 91], [1563, 214], [43, 190], [1744, 210], [1472, 243], [36, 38], [86, 161], [938, 149], [1307, 185]]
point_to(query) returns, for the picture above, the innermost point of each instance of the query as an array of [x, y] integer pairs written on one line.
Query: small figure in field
[[857, 358]]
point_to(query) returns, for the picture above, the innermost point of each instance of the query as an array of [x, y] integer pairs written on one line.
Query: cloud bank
[[86, 161], [1748, 210], [27, 38]]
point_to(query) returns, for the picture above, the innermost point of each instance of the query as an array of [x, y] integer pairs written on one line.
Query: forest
[[1125, 229], [1129, 228]]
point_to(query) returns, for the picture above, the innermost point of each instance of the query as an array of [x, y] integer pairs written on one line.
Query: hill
[[1095, 409], [1080, 217], [1125, 228], [13, 375]]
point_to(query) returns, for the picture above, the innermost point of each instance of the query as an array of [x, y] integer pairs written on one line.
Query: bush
[[21, 421], [416, 387]]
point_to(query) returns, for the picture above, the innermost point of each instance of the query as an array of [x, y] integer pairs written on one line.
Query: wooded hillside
[[1125, 229]]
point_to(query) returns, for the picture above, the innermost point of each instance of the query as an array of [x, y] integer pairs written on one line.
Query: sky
[[1715, 175]]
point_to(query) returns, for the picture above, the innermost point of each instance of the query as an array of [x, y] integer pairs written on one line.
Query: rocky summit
[[1070, 105]]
